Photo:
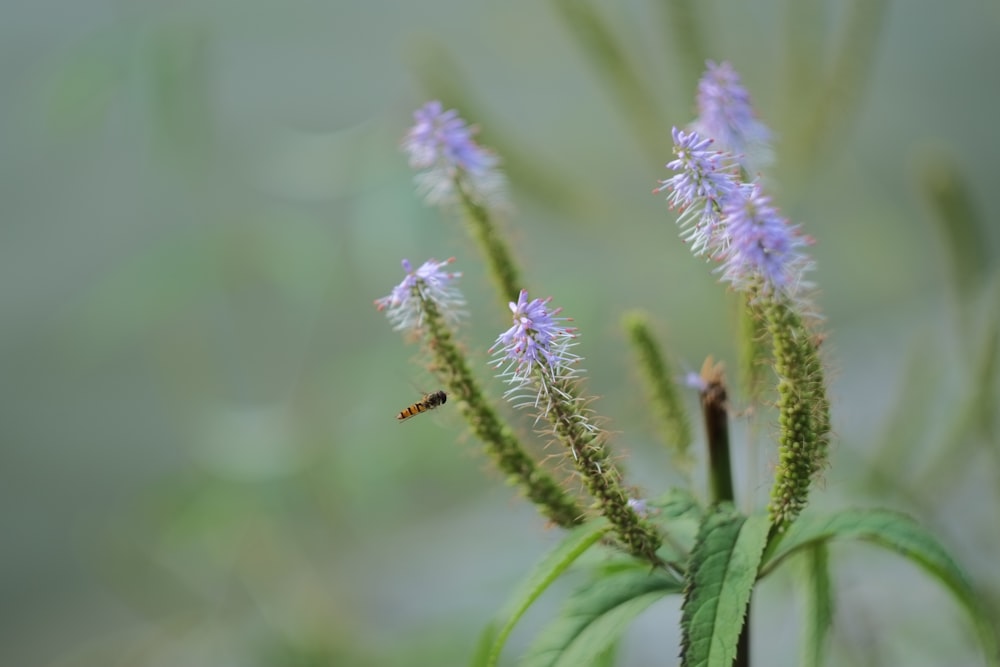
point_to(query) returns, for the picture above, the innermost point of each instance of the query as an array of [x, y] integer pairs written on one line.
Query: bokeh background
[[201, 200]]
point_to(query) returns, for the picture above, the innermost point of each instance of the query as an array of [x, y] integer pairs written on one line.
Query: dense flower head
[[703, 181], [537, 345], [406, 304], [733, 222], [726, 114], [764, 249], [441, 146]]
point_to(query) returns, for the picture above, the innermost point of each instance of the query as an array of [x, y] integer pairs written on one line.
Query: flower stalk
[[803, 409], [484, 231], [455, 170], [601, 477], [418, 302], [761, 255], [543, 374]]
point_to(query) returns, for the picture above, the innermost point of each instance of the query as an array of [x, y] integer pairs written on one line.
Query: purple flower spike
[[764, 248], [405, 306], [442, 147], [733, 222], [726, 114], [704, 180], [537, 341]]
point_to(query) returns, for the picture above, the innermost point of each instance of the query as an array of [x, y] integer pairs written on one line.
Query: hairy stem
[[502, 446]]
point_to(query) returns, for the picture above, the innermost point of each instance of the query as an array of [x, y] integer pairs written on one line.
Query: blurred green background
[[201, 200]]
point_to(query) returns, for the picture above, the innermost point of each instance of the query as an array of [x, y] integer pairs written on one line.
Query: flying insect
[[428, 402]]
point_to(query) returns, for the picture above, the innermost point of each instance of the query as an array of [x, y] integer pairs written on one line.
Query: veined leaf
[[679, 515], [609, 658], [595, 617], [548, 570], [721, 576], [678, 503], [898, 533]]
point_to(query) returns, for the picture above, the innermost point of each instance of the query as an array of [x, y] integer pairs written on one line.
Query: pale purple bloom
[[405, 305], [694, 380], [640, 506], [705, 178], [537, 346], [726, 114], [721, 216], [764, 250], [733, 222], [441, 146]]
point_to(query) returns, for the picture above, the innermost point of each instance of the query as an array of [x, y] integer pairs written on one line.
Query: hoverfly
[[428, 402]]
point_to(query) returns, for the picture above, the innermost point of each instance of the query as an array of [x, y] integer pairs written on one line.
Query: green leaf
[[548, 570], [899, 533], [484, 646], [720, 579], [678, 516], [678, 503], [609, 658], [819, 605], [595, 617]]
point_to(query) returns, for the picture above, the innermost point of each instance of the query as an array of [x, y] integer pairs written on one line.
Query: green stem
[[601, 477], [491, 244]]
